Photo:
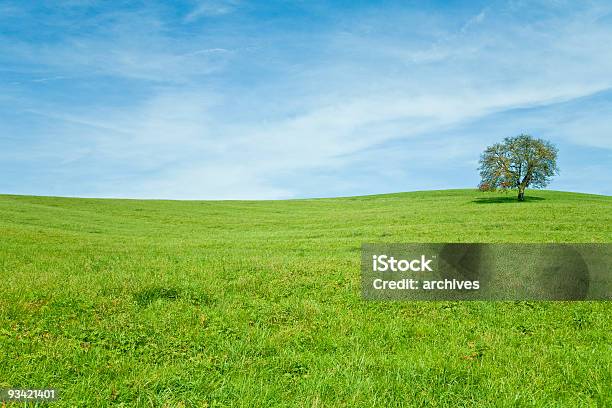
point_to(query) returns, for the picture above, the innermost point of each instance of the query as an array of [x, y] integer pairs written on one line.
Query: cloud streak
[[211, 8]]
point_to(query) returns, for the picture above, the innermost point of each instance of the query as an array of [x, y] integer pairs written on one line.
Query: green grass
[[257, 303]]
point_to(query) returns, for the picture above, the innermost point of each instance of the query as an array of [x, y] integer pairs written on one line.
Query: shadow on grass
[[505, 199]]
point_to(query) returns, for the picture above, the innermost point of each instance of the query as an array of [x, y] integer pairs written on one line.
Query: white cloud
[[477, 19], [209, 8], [47, 79], [124, 45]]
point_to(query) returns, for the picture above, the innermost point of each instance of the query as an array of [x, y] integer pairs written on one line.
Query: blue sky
[[224, 99]]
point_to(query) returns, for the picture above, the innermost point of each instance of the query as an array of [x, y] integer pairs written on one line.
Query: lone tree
[[518, 162]]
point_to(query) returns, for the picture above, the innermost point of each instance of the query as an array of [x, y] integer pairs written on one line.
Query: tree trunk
[[521, 194]]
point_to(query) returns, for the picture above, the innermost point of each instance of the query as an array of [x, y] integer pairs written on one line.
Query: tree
[[517, 163]]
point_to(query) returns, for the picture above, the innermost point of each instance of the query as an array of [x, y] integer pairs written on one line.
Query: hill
[[258, 303]]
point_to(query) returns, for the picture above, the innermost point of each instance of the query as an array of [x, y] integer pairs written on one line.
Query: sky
[[236, 99]]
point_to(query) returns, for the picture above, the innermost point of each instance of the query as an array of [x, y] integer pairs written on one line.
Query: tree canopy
[[517, 163]]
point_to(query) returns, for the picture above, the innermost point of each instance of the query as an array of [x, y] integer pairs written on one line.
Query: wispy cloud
[[207, 8], [47, 79], [477, 19]]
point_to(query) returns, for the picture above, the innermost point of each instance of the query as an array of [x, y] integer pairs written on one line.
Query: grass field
[[257, 303]]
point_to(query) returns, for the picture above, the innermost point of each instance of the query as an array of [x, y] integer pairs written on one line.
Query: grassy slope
[[257, 303]]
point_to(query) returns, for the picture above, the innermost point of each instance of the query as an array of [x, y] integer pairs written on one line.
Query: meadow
[[257, 303]]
